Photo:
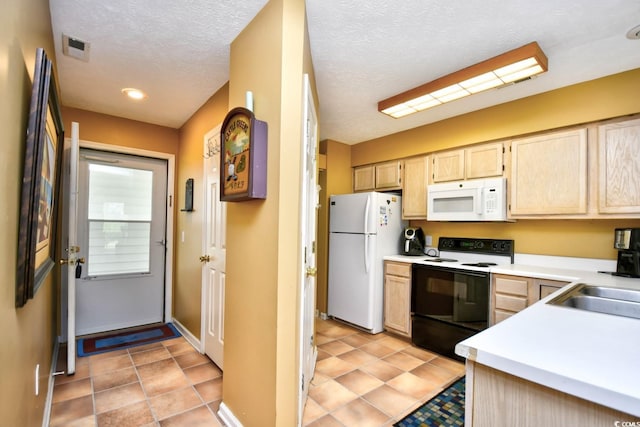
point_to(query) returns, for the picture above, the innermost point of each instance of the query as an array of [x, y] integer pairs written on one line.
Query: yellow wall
[[28, 333], [337, 179], [268, 58], [188, 283], [573, 238], [106, 129], [599, 99]]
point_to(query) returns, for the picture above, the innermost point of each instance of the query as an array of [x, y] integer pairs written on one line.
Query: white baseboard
[[227, 416], [191, 339], [46, 416]]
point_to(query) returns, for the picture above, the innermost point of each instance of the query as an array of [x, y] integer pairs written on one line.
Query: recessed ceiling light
[[634, 33], [133, 93]]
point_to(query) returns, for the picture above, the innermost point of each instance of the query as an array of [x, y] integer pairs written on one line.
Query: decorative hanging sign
[[243, 159]]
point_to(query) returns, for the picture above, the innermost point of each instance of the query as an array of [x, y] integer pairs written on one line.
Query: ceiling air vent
[[75, 48]]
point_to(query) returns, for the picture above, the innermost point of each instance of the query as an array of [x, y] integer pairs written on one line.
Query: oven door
[[448, 306]]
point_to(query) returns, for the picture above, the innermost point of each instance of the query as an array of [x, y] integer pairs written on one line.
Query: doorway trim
[[171, 200]]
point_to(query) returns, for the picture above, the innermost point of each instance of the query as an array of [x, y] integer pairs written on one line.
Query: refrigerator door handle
[[366, 214], [366, 253]]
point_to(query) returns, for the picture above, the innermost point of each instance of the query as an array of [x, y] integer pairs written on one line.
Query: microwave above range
[[472, 200]]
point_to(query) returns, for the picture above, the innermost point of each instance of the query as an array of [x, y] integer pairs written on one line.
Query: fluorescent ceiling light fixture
[[513, 66], [133, 93]]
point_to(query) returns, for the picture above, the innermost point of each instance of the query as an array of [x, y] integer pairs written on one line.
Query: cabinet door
[[364, 178], [414, 188], [549, 174], [397, 297], [619, 164], [547, 287], [397, 304], [448, 166], [388, 175], [484, 160]]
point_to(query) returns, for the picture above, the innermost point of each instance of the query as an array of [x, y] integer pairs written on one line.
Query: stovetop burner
[[480, 264]]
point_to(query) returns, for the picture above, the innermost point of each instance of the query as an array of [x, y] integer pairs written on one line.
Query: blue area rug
[[126, 339], [446, 409]]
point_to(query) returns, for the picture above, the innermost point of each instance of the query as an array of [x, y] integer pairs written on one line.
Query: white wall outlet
[[37, 379], [428, 240]]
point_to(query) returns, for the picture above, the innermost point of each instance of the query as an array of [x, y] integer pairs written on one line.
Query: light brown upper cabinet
[[549, 174], [619, 167], [448, 166], [478, 161], [364, 178], [483, 161], [414, 188], [380, 176]]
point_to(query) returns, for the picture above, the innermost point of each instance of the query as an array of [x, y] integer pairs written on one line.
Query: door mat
[[126, 339], [445, 409]]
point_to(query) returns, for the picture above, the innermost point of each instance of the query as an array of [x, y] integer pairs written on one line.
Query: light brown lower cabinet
[[511, 294], [397, 297], [496, 399]]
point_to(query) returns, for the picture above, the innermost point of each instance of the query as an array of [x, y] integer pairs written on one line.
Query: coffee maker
[[413, 241], [627, 242]]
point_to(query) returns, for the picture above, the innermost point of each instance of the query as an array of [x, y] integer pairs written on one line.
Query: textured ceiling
[[363, 52]]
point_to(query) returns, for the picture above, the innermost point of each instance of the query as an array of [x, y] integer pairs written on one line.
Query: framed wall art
[[243, 159], [37, 235]]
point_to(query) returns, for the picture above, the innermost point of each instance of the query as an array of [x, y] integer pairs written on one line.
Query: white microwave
[[473, 200]]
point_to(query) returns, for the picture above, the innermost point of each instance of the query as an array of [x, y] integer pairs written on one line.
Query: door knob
[[311, 271], [205, 258]]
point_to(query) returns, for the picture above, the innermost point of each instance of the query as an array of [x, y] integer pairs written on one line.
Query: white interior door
[[310, 203], [68, 299], [122, 202], [214, 249]]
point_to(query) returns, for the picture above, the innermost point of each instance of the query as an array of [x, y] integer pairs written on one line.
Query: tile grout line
[[191, 385], [144, 391]]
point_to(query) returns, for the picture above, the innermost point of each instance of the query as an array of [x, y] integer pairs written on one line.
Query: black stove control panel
[[478, 246]]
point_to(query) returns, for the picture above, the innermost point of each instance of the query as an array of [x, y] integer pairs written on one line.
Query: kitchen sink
[[601, 299]]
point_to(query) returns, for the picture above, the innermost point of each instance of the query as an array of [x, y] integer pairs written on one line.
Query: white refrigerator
[[363, 228]]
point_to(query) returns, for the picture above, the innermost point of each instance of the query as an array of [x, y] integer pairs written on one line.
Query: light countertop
[[590, 355]]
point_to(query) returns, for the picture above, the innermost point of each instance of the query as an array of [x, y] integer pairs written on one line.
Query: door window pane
[[118, 247], [119, 220], [117, 193]]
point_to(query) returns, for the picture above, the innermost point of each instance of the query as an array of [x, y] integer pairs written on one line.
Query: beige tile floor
[[371, 380], [164, 384], [360, 380]]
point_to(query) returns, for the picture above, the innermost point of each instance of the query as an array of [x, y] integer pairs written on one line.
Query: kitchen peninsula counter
[[589, 355]]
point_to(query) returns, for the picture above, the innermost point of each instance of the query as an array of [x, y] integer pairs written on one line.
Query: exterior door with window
[[122, 233]]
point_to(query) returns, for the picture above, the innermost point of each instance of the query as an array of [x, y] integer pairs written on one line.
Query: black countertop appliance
[[627, 242], [413, 241]]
